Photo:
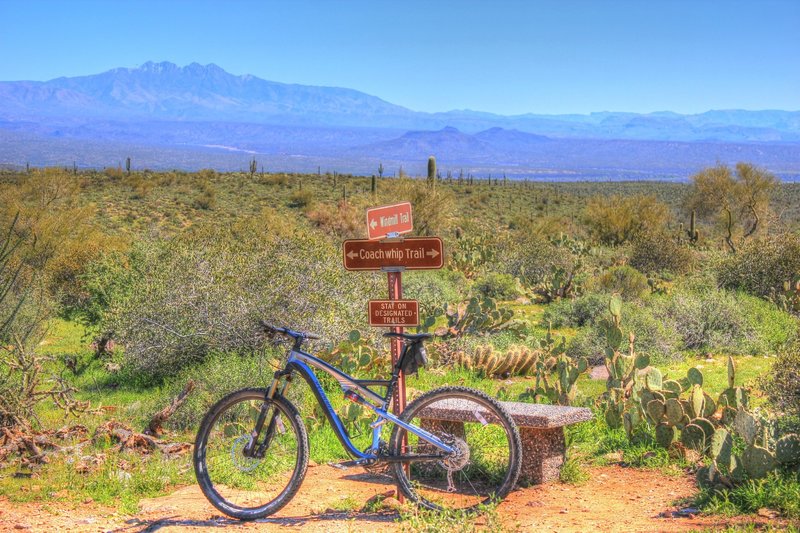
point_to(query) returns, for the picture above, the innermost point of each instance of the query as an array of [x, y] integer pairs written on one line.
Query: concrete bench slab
[[541, 430]]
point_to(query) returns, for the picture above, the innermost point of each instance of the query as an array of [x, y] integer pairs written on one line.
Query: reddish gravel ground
[[613, 499]]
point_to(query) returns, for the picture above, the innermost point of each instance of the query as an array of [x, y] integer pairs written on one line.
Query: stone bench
[[541, 429]]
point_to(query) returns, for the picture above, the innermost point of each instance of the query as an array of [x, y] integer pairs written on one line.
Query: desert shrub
[[207, 196], [206, 291], [589, 342], [435, 288], [624, 280], [59, 236], [774, 329], [300, 198], [782, 386], [762, 264], [497, 285], [711, 320], [657, 252], [618, 219], [344, 221], [575, 313], [548, 270], [654, 337], [26, 377], [219, 374], [434, 207]]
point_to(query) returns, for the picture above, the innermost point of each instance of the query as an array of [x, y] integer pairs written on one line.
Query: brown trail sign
[[413, 253], [390, 313], [396, 219]]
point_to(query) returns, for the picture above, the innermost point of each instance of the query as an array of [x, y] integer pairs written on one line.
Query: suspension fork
[[267, 408]]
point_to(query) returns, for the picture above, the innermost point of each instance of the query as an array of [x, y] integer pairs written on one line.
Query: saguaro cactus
[[692, 232], [432, 171], [128, 165]]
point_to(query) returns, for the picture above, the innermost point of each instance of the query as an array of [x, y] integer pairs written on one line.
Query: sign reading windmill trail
[[389, 219], [413, 253]]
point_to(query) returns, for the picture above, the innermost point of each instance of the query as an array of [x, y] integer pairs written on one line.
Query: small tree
[[740, 200]]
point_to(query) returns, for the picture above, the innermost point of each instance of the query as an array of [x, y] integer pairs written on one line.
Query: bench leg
[[542, 454]]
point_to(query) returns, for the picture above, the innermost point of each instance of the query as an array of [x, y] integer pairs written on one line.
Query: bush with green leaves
[[624, 280], [782, 386], [497, 285], [657, 252], [548, 269], [207, 290], [434, 288], [575, 313], [763, 265], [711, 320]]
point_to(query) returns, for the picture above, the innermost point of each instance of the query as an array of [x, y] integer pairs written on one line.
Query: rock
[[391, 503]]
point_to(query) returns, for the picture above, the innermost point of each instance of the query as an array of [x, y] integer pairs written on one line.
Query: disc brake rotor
[[460, 456], [238, 458]]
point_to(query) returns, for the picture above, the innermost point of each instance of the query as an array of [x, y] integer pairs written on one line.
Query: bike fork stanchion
[[399, 393]]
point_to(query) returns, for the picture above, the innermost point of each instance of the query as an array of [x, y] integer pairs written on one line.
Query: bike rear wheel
[[486, 464], [247, 487]]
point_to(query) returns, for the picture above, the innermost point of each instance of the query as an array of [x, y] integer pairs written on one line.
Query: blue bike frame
[[302, 363]]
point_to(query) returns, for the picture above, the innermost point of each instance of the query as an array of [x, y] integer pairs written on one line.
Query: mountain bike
[[251, 451]]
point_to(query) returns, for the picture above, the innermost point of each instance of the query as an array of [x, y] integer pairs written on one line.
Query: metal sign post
[[387, 251]]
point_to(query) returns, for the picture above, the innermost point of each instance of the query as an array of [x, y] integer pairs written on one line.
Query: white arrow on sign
[[352, 254], [372, 223], [431, 253]]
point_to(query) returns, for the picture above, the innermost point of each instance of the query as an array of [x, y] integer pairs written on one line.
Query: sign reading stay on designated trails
[[387, 219], [413, 253], [389, 313]]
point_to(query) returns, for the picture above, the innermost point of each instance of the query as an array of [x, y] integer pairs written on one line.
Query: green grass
[[779, 491]]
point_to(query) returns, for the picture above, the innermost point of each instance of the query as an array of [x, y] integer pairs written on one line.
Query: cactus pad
[[721, 447], [655, 410], [695, 377], [693, 437], [672, 386], [665, 435], [731, 373], [746, 426], [709, 406], [674, 411], [654, 379], [706, 426], [642, 361], [698, 401], [758, 462], [787, 450]]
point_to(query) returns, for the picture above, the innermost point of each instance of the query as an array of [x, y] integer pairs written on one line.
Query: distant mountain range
[[203, 116]]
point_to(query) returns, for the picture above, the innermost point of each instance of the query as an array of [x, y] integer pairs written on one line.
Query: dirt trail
[[613, 499]]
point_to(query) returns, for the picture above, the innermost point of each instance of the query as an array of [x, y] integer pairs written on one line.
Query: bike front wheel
[[486, 462], [250, 487]]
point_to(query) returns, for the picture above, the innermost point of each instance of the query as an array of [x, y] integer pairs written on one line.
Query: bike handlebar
[[289, 332]]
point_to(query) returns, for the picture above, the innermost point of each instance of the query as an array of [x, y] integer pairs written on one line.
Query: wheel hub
[[460, 456], [239, 459]]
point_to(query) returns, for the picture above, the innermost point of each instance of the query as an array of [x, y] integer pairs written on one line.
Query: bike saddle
[[409, 337]]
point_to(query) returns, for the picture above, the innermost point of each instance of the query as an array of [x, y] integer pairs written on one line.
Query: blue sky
[[506, 57]]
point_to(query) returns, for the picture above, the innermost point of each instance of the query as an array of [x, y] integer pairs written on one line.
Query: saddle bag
[[414, 356]]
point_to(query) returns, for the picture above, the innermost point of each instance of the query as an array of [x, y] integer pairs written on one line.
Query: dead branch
[[155, 427]]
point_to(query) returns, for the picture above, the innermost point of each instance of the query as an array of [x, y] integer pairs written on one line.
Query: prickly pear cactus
[[758, 462], [787, 450]]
